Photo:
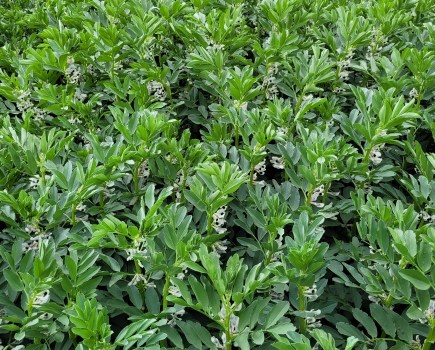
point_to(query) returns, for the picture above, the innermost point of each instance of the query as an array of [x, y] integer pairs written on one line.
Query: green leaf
[[278, 311], [349, 330], [13, 280], [424, 256], [366, 321], [383, 318], [351, 342], [257, 337], [417, 279]]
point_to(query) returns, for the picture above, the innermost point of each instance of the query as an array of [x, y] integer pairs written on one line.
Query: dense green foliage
[[217, 174]]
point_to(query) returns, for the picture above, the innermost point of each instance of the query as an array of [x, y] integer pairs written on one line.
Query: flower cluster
[[269, 82], [311, 293], [24, 103], [139, 278], [318, 191], [79, 95], [42, 298], [220, 344], [429, 313], [375, 155], [144, 170], [343, 65], [176, 316], [220, 247], [179, 181], [312, 321], [73, 71], [157, 89], [277, 162], [33, 242], [219, 220]]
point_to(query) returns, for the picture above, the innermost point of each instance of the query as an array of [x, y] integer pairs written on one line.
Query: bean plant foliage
[[217, 174]]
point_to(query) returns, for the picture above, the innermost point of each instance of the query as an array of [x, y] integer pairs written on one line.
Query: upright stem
[[236, 127], [165, 293], [251, 175], [430, 337], [227, 327], [209, 223], [309, 195], [140, 284], [102, 199], [73, 214], [302, 306], [136, 178]]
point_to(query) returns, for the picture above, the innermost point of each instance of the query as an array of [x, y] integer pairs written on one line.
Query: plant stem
[[101, 199], [73, 214], [430, 338], [140, 284], [236, 130], [251, 175], [227, 327], [209, 223], [136, 178], [165, 293], [302, 321], [309, 195]]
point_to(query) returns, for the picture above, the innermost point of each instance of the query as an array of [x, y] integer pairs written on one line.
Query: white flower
[[74, 120], [234, 324], [81, 207], [176, 316], [79, 95], [136, 279], [45, 316], [260, 168], [278, 162], [157, 89], [34, 182], [415, 343], [311, 293], [173, 290], [316, 324], [375, 156], [269, 82], [220, 247], [271, 92], [374, 299], [281, 131], [24, 103], [42, 298], [39, 114], [28, 246], [413, 93], [430, 312], [144, 170], [316, 312], [344, 74], [318, 191], [73, 71], [30, 228], [261, 183], [219, 220], [92, 70], [87, 146], [217, 343]]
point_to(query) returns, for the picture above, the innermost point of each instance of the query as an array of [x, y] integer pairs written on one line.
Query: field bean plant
[[217, 174]]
